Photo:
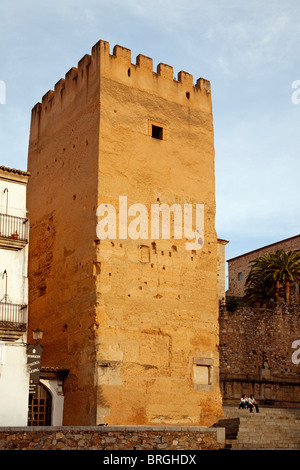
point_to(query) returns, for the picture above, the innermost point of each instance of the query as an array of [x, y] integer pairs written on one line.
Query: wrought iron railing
[[14, 227], [13, 313]]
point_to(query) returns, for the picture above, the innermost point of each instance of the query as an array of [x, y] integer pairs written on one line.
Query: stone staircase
[[270, 429]]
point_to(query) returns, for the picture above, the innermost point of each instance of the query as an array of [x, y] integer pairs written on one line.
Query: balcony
[[13, 321], [14, 232]]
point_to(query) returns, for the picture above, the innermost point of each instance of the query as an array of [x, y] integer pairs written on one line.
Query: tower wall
[[141, 315], [62, 199]]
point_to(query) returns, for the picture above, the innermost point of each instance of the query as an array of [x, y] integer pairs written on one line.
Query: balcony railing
[[14, 227], [13, 315], [14, 232]]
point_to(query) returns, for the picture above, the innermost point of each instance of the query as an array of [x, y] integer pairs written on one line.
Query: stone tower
[[135, 321]]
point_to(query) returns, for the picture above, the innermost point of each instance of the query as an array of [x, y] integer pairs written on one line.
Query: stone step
[[281, 436], [274, 425], [270, 429], [262, 412], [266, 410], [237, 446], [267, 419], [262, 417]]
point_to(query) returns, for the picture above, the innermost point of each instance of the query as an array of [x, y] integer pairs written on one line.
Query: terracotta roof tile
[[14, 170]]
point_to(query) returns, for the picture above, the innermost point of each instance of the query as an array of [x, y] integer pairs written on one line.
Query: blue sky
[[248, 50]]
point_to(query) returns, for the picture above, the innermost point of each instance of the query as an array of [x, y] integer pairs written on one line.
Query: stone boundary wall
[[256, 354], [111, 438]]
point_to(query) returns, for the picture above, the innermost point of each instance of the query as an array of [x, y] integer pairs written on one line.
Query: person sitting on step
[[252, 403], [243, 402]]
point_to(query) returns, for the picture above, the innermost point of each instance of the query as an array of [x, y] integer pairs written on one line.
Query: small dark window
[[240, 276], [157, 132]]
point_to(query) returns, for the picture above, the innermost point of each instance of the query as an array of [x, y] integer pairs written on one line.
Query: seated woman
[[243, 402]]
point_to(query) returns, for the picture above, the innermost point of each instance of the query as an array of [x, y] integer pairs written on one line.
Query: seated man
[[252, 403]]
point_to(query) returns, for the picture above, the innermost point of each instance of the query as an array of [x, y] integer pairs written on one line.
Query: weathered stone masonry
[[112, 438], [256, 354]]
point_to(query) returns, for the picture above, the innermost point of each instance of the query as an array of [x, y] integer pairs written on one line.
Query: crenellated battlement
[[119, 67]]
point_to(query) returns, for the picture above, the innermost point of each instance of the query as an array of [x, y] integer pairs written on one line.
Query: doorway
[[39, 407]]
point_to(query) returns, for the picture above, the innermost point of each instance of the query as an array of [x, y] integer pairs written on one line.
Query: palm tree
[[259, 276], [280, 267], [260, 292], [286, 268]]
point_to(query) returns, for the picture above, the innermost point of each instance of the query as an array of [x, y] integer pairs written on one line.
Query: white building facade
[[14, 237]]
